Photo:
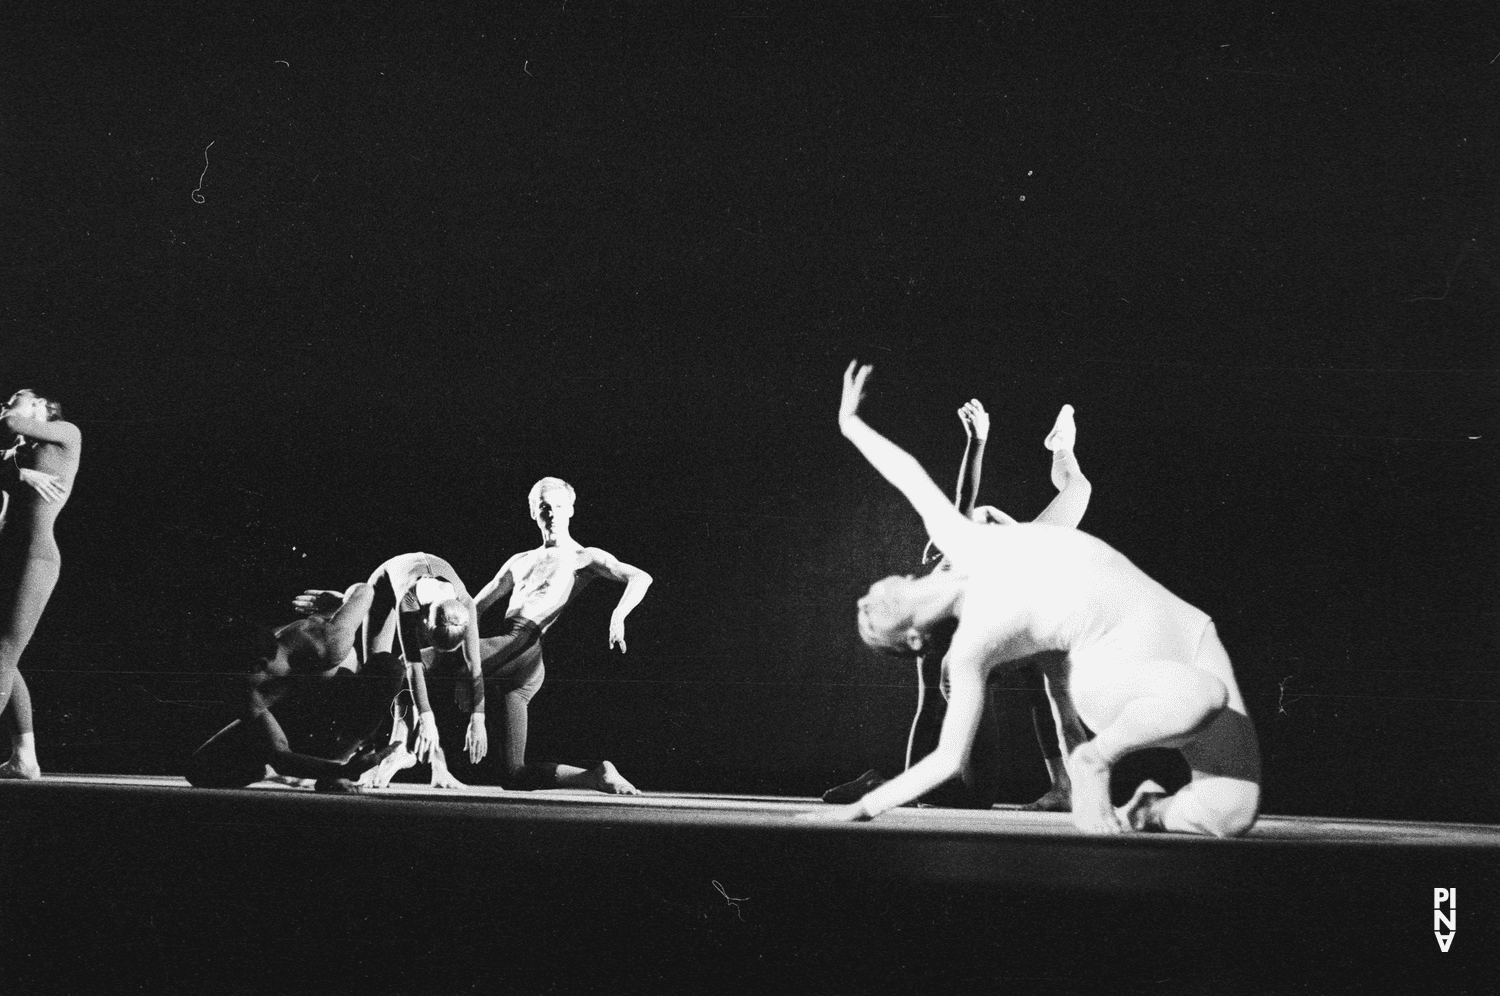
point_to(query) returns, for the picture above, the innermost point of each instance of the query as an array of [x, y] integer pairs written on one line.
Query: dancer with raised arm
[[1145, 669], [537, 586], [315, 650], [422, 610], [1057, 726], [42, 462]]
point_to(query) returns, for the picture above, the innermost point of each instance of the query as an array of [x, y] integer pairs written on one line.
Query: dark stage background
[[439, 256]]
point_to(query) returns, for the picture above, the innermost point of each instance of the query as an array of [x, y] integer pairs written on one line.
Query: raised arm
[[945, 524], [636, 582], [976, 429], [60, 433]]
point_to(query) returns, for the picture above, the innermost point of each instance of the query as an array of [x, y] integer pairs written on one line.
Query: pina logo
[[1444, 920]]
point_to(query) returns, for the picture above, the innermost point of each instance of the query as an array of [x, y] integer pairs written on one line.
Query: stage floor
[[429, 891], [765, 810]]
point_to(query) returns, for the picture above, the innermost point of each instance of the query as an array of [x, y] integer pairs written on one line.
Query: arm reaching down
[[960, 724], [636, 582]]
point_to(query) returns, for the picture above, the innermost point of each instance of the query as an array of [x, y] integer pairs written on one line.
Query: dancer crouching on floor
[[309, 650], [1145, 669], [1057, 726], [44, 458], [420, 605], [537, 586]]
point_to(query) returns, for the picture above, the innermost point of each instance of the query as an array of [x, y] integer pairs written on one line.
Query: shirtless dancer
[[1145, 668], [1056, 724], [44, 457], [307, 651], [421, 608], [538, 585]]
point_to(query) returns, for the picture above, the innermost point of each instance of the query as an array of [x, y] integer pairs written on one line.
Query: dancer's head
[[887, 616], [28, 404], [447, 622], [898, 614], [551, 501]]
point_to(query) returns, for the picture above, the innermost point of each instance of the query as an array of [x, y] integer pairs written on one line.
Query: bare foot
[[17, 768], [366, 761], [380, 775], [337, 786], [1092, 812], [1140, 813], [1064, 433], [287, 780], [604, 778], [442, 778], [1057, 800]]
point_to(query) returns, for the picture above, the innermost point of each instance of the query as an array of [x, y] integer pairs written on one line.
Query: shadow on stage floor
[[117, 884]]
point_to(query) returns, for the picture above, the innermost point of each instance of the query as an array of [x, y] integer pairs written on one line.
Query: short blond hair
[[450, 623], [546, 484]]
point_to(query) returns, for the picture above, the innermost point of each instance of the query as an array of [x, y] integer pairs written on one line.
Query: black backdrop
[[633, 245]]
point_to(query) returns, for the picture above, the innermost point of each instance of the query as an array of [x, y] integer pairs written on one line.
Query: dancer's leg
[[1073, 489], [23, 610], [507, 729], [1134, 704], [1223, 797]]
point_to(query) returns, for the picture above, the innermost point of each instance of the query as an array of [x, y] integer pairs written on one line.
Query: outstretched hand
[[617, 634], [855, 812], [975, 419], [854, 391], [313, 603]]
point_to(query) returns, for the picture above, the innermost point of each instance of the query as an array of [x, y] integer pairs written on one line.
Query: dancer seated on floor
[[1145, 669], [1056, 724], [307, 652], [421, 606], [537, 586], [44, 458]]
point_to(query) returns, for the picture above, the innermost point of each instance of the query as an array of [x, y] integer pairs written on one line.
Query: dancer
[[1145, 668], [44, 457], [1056, 724], [538, 585], [421, 606], [307, 652]]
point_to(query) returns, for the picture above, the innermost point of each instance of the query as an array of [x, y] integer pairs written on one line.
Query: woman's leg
[[1073, 489], [38, 577]]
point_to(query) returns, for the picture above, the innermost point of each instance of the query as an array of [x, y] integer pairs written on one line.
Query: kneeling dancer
[[1145, 668], [309, 650]]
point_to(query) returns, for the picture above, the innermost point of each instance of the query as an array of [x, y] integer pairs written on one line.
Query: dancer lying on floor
[[1145, 669], [421, 607], [1057, 727], [537, 586], [307, 652]]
